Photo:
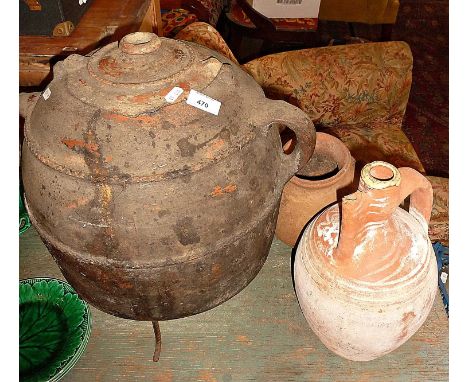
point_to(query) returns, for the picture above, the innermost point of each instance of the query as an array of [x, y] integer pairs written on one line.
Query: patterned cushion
[[358, 83], [377, 140], [176, 20], [439, 224], [237, 15], [204, 34], [214, 8], [355, 92]]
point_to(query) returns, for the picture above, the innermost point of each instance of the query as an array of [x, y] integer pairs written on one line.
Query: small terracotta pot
[[325, 179], [365, 272]]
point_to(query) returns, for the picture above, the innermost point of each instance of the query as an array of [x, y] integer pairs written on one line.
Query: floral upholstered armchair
[[356, 92], [177, 14], [204, 10]]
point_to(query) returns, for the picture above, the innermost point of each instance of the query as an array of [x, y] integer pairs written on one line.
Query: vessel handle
[[27, 101], [382, 188], [418, 187], [298, 146]]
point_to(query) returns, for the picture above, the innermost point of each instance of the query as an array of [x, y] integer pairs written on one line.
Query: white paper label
[[46, 93], [203, 102], [443, 277], [173, 94], [287, 8]]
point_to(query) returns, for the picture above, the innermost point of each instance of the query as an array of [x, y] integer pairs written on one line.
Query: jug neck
[[367, 210]]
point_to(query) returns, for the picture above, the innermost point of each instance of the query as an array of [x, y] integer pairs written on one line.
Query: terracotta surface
[[367, 284], [325, 179], [156, 210]]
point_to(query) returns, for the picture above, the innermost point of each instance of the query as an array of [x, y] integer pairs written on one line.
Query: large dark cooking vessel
[[156, 210]]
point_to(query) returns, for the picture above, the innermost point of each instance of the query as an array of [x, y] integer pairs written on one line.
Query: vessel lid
[[134, 76], [112, 108]]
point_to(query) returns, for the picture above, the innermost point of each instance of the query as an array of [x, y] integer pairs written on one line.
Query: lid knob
[[139, 43]]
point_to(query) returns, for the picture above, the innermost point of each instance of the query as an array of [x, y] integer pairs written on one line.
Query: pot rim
[[347, 163]]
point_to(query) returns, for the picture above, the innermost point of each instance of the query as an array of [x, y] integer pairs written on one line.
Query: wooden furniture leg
[[157, 19]]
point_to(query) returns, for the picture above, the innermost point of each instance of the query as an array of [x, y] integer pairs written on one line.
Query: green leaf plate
[[54, 328]]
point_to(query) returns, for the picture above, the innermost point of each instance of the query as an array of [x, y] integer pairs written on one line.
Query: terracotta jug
[[155, 209], [326, 178], [367, 284]]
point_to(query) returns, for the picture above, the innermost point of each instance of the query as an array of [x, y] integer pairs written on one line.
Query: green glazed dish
[[54, 329]]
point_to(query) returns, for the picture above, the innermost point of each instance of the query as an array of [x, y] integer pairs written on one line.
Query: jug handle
[[377, 198], [418, 187], [283, 113], [27, 101]]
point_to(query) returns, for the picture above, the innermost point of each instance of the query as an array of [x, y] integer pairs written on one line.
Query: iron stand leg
[[157, 335]]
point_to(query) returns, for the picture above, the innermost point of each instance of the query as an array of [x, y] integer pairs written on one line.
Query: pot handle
[[418, 187], [299, 146], [27, 101]]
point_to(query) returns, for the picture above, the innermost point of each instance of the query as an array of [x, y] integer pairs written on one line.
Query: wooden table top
[[258, 335], [102, 19], [104, 22]]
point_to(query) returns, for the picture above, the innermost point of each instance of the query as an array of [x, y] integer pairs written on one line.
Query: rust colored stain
[[164, 91], [126, 285], [108, 158], [142, 98], [146, 119], [82, 81], [406, 319], [74, 144], [230, 188], [31, 97], [78, 203], [218, 190], [216, 271], [184, 85], [116, 117], [214, 146], [244, 339], [110, 67]]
